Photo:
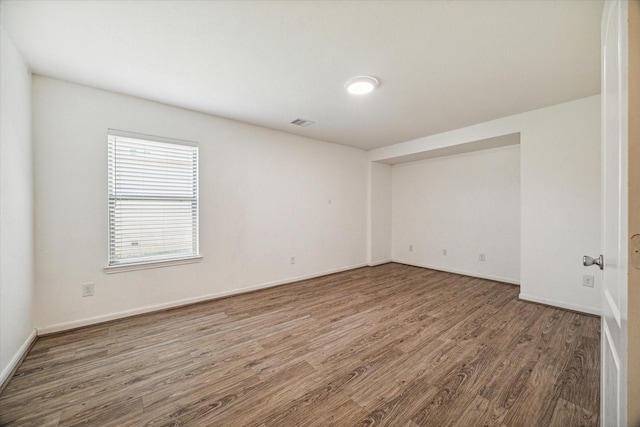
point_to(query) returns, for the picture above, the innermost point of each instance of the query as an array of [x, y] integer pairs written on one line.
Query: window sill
[[121, 268]]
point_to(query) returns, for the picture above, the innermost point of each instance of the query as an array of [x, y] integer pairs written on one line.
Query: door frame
[[633, 326]]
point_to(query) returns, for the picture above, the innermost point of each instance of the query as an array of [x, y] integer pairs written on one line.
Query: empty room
[[319, 213]]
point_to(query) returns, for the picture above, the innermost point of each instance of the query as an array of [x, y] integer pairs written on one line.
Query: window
[[153, 199]]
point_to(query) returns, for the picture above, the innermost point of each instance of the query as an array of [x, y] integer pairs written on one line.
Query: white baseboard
[[7, 372], [59, 327], [462, 272], [384, 261], [560, 304]]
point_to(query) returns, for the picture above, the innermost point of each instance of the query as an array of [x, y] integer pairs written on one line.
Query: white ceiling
[[442, 64]]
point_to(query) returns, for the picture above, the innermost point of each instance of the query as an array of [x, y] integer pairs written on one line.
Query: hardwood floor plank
[[578, 374], [571, 415], [250, 406], [40, 419], [190, 405], [473, 414], [400, 408], [179, 391], [108, 414], [346, 414], [386, 381], [392, 345], [458, 387]]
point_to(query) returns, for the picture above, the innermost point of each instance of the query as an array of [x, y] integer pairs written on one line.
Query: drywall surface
[[561, 214], [559, 195], [265, 197], [16, 207], [380, 213], [449, 210]]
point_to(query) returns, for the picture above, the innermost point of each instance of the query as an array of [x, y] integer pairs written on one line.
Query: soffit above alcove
[[467, 147]]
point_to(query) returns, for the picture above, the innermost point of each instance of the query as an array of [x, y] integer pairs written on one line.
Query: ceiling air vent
[[302, 122]]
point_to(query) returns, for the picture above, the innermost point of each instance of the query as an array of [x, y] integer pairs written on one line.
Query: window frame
[[150, 262]]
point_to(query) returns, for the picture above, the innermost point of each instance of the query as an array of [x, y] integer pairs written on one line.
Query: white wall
[[561, 216], [379, 213], [16, 208], [265, 196], [559, 195], [467, 204]]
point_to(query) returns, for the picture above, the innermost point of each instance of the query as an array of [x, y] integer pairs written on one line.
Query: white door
[[615, 224]]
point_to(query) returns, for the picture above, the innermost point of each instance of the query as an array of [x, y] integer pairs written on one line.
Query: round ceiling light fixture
[[361, 85]]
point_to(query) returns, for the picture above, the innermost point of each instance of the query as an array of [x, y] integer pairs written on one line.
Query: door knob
[[587, 261]]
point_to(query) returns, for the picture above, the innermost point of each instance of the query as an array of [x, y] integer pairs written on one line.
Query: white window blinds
[[153, 199]]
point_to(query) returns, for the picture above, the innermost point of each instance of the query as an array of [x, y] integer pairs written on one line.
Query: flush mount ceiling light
[[361, 85]]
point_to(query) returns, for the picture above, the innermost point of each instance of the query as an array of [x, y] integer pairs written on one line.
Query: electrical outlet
[[588, 281], [481, 257], [444, 252], [293, 260], [410, 248], [87, 289]]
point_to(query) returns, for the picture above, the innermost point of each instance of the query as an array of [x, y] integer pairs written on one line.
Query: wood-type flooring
[[391, 345]]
